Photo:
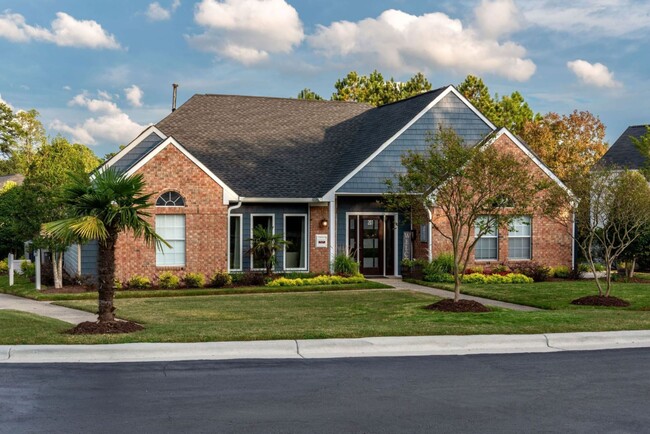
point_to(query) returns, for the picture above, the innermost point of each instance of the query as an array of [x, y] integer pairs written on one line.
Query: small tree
[[264, 246], [469, 189]]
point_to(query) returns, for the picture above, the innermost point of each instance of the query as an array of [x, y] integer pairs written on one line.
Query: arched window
[[170, 198]]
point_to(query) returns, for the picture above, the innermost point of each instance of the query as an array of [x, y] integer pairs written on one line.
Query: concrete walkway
[[72, 316], [400, 284]]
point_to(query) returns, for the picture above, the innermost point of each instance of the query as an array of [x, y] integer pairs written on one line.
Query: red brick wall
[[551, 244], [206, 225], [319, 260]]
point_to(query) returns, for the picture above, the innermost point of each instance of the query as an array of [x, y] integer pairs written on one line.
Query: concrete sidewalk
[[325, 348], [42, 308], [400, 284]]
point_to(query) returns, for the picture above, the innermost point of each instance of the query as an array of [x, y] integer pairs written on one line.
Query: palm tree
[[264, 246], [103, 205]]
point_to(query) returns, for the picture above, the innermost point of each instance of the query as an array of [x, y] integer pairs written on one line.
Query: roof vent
[[174, 88]]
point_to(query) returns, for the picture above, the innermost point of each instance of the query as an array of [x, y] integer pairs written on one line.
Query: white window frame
[[252, 216], [241, 242], [184, 264], [487, 236], [529, 237], [305, 242]]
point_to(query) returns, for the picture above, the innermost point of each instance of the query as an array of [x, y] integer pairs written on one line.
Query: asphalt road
[[592, 391]]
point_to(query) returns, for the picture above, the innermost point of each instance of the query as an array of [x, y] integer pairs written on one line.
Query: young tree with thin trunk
[[469, 190], [103, 206]]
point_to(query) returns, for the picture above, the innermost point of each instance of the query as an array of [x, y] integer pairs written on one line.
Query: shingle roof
[[623, 152], [285, 148], [17, 178]]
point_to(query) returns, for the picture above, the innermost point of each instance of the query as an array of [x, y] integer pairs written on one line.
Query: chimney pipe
[[174, 87]]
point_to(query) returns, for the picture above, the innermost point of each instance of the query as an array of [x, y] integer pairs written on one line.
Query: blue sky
[[99, 71]]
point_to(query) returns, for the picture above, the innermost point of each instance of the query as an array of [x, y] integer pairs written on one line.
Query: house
[[313, 171], [624, 153]]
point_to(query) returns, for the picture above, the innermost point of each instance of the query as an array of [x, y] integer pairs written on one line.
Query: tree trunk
[[57, 269], [106, 277], [629, 268], [456, 288]]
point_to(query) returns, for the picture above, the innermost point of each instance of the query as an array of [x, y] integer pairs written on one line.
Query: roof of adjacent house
[[623, 152], [285, 148], [17, 178]]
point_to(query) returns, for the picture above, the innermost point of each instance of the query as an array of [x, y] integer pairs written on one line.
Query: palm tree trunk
[[106, 277]]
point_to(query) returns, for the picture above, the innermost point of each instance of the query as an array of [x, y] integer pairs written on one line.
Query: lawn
[[23, 288], [311, 315], [554, 295]]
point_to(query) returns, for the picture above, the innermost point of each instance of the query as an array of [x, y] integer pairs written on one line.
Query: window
[[171, 198], [171, 227], [235, 243], [519, 239], [266, 221], [295, 231], [424, 233], [487, 247]]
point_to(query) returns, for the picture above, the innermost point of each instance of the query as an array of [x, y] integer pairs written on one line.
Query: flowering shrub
[[4, 267], [496, 278], [319, 280], [167, 280], [139, 282], [194, 280]]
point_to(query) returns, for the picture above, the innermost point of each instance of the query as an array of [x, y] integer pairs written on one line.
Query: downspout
[[230, 208], [429, 235], [332, 232], [573, 241]]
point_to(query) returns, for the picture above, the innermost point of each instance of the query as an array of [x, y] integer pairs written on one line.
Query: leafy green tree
[[375, 90], [10, 224], [264, 246], [29, 141], [102, 207], [10, 129], [307, 93], [474, 89], [469, 190]]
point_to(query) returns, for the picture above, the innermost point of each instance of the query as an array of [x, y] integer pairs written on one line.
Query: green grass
[[23, 288], [26, 328], [555, 295]]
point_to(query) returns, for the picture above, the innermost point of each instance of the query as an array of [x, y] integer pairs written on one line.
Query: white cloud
[[495, 18], [110, 125], [591, 17], [134, 95], [594, 74], [66, 87], [402, 42], [155, 12], [247, 31], [66, 31]]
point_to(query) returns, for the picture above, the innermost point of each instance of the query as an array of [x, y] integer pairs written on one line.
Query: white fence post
[[11, 269], [38, 269]]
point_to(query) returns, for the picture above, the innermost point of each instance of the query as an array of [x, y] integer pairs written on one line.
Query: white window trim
[[495, 236], [171, 206], [251, 235], [241, 242], [529, 237], [184, 264], [305, 243]]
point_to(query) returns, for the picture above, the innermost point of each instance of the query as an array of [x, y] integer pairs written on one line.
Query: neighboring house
[[313, 171], [17, 178], [624, 153]]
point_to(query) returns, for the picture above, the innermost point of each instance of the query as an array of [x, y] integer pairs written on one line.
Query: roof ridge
[[318, 101], [415, 96]]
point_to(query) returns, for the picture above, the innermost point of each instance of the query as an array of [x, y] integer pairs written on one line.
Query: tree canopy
[[375, 90]]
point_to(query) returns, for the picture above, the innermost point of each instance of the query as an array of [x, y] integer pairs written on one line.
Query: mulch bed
[[100, 328], [449, 305], [596, 300]]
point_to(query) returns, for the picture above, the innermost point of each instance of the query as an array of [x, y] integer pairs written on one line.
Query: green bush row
[[480, 278], [319, 280]]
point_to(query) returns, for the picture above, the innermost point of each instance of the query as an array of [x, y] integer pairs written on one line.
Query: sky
[[100, 71]]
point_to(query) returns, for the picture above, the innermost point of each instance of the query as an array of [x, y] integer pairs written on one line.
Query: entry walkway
[[42, 308], [400, 284]]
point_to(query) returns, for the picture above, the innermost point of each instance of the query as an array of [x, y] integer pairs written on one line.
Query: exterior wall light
[[324, 223]]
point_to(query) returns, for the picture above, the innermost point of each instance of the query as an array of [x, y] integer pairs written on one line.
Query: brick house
[[313, 171]]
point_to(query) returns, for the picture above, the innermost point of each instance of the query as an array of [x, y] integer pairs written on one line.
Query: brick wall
[[206, 240], [319, 259], [551, 244]]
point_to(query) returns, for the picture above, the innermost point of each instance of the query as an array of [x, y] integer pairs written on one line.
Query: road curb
[[325, 348]]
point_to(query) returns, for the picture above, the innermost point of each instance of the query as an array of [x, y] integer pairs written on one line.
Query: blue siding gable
[[450, 112], [139, 151]]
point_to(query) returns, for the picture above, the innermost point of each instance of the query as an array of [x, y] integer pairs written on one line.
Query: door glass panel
[[370, 237]]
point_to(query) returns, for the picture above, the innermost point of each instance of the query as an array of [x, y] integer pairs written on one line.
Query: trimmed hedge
[[319, 280]]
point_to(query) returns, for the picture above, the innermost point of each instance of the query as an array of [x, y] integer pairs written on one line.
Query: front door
[[371, 245]]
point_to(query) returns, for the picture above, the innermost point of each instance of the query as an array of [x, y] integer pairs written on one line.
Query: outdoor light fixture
[[324, 223]]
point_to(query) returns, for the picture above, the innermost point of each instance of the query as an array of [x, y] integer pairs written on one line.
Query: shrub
[[496, 278], [194, 280], [167, 280], [561, 272], [249, 278], [439, 278], [139, 282], [599, 267], [221, 279], [117, 284], [318, 280], [4, 267], [29, 269], [586, 268], [345, 265], [539, 273]]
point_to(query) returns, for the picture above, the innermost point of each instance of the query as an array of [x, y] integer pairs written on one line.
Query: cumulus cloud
[[110, 123], [66, 31], [495, 18], [590, 17], [593, 74], [155, 12], [134, 95], [404, 42], [247, 31]]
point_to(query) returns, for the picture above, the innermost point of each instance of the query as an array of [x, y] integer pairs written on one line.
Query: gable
[[623, 152], [132, 156], [450, 112]]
